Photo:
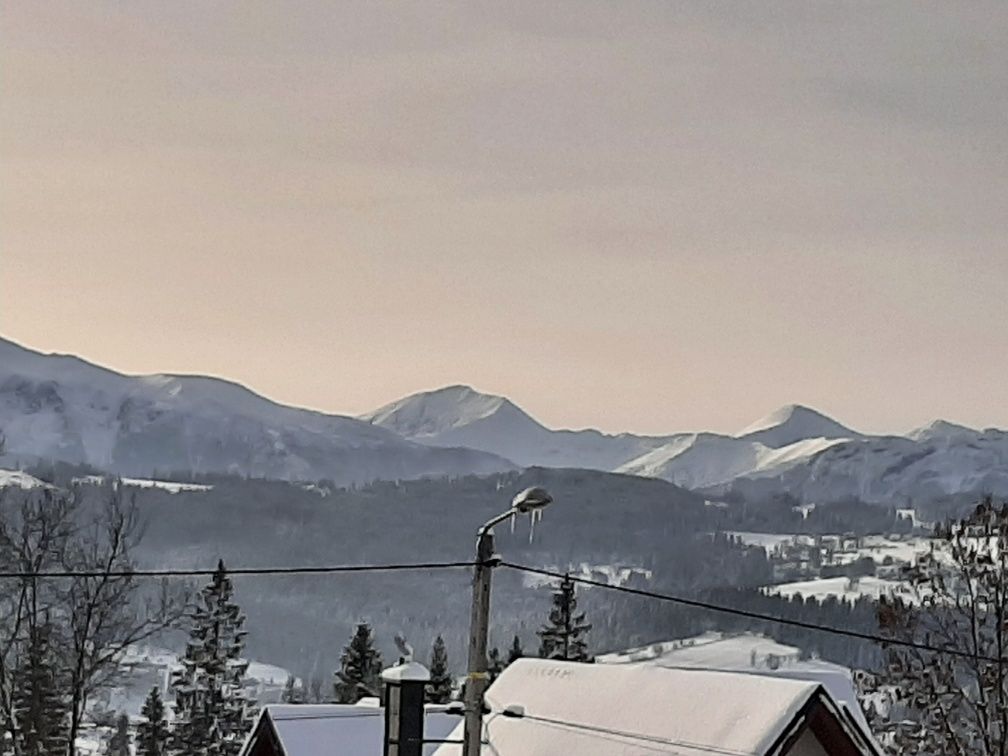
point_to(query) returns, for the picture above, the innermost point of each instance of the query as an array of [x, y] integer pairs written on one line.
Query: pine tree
[[495, 665], [563, 636], [360, 665], [516, 652], [40, 710], [152, 732], [439, 689], [212, 710], [119, 745]]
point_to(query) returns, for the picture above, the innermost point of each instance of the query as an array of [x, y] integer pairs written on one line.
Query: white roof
[[750, 653], [636, 710], [342, 729]]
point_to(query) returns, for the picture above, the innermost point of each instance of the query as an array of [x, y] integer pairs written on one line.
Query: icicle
[[532, 521], [514, 516]]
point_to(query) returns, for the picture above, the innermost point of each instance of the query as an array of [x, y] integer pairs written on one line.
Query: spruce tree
[[495, 665], [152, 732], [439, 689], [40, 709], [119, 745], [516, 651], [563, 636], [211, 708], [360, 666]]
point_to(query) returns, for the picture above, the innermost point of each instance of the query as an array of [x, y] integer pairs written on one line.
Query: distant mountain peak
[[942, 430], [430, 413], [792, 423]]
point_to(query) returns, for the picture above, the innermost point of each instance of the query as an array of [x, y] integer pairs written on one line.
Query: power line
[[696, 603], [231, 571], [419, 566]]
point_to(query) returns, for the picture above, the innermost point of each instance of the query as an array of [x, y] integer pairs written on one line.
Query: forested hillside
[[660, 536]]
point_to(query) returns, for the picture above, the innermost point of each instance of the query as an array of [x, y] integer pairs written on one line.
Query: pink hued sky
[[644, 216]]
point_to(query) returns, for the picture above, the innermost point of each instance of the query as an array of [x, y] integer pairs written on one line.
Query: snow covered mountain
[[796, 450], [894, 469], [794, 423], [705, 460], [63, 408], [461, 416]]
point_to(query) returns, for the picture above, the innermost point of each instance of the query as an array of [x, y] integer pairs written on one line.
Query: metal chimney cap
[[408, 672]]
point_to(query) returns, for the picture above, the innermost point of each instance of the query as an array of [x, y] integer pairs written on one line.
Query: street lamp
[[530, 501]]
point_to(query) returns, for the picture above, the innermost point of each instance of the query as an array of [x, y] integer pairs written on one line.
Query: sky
[[643, 216]]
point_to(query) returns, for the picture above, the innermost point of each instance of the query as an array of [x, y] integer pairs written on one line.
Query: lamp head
[[531, 499]]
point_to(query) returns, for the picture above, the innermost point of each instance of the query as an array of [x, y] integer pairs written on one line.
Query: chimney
[[404, 708]]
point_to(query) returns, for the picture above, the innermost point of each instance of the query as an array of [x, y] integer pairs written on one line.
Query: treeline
[[598, 520]]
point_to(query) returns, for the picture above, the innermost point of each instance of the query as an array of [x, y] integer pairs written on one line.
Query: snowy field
[[164, 485], [144, 667], [18, 479], [603, 573], [880, 547], [768, 541], [842, 588], [877, 547]]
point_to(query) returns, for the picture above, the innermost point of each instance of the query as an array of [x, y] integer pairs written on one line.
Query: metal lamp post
[[528, 501]]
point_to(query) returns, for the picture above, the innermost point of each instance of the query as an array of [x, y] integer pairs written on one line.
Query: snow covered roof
[[633, 710], [337, 729], [749, 653], [405, 672]]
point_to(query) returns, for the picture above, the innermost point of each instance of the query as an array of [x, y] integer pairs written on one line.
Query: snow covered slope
[[703, 460], [795, 450], [794, 423], [896, 469], [18, 479], [63, 408], [461, 416]]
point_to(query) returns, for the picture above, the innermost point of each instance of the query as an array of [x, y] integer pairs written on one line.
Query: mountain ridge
[[795, 449], [61, 407]]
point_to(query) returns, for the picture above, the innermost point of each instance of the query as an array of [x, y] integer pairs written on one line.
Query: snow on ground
[[322, 491], [267, 673], [18, 479], [605, 573], [905, 550], [842, 588], [708, 651], [878, 547], [165, 485], [768, 541], [143, 667]]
